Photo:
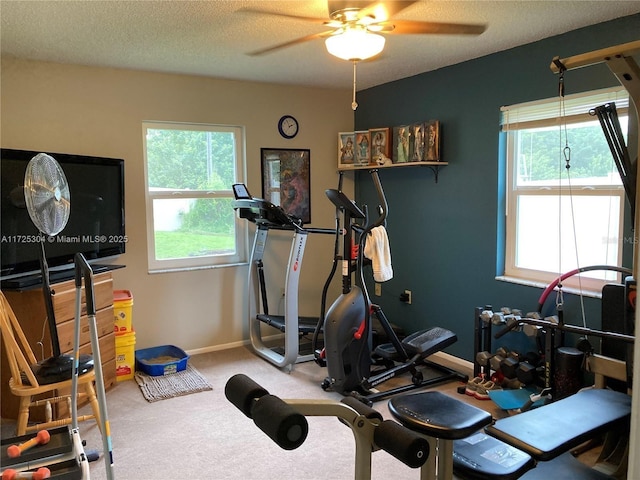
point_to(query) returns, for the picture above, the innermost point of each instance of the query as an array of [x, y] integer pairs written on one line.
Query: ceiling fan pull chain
[[354, 104]]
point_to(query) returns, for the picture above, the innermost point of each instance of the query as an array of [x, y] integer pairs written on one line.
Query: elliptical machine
[[347, 326]]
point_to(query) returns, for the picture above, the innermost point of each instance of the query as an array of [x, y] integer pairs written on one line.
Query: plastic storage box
[[125, 356], [122, 311], [163, 360]]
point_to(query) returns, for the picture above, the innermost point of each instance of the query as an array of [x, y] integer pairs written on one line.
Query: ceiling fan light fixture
[[355, 44]]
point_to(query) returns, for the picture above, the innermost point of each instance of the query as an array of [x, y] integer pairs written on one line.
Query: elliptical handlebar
[[383, 206]]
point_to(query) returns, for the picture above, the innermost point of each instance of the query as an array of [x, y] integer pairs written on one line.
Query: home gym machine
[[348, 352], [284, 421], [268, 216], [441, 435]]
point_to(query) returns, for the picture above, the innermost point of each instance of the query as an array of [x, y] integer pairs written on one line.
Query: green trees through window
[[541, 155], [190, 170]]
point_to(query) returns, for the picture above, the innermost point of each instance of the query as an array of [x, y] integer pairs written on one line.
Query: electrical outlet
[[378, 289], [408, 294]]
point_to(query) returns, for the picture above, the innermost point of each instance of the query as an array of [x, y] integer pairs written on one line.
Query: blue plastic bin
[[163, 360]]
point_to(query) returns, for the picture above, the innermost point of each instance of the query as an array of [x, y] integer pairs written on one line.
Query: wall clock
[[288, 126]]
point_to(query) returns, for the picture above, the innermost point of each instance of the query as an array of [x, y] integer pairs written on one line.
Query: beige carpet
[[203, 436]]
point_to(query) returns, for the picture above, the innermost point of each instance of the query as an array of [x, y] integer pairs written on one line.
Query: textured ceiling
[[212, 38]]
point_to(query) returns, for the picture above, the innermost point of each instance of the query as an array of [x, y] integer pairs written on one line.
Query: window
[[559, 219], [189, 173]]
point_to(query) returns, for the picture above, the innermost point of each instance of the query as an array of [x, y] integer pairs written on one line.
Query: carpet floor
[[203, 436]]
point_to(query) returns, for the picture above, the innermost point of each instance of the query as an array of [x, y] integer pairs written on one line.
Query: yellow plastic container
[[125, 356], [122, 311]]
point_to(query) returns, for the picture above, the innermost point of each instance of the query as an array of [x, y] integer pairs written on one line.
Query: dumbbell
[[40, 474], [482, 358], [497, 318], [497, 359], [531, 331], [512, 319], [530, 374], [486, 315], [41, 438], [530, 369], [509, 365]]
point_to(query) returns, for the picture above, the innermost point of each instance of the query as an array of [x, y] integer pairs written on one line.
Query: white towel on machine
[[377, 250]]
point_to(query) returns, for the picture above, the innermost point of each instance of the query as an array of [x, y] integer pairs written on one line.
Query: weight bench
[[513, 444], [446, 421], [551, 430]]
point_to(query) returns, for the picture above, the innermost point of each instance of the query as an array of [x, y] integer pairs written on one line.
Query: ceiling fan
[[355, 27]]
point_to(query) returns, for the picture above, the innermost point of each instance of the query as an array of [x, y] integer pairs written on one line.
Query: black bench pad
[[481, 456], [437, 415], [565, 467], [550, 430]]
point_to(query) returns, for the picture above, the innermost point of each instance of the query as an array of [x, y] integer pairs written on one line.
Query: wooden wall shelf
[[434, 166]]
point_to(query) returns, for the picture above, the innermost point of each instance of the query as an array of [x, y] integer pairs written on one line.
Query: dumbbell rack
[[63, 455], [483, 342]]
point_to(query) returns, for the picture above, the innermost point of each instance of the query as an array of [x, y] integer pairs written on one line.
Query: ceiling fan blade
[[291, 43], [286, 15], [415, 27]]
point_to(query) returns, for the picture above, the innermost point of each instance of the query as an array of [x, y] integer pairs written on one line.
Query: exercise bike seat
[[428, 342]]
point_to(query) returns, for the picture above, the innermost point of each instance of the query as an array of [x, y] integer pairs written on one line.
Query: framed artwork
[[363, 147], [380, 146], [286, 180], [401, 144], [346, 149], [432, 141], [416, 142]]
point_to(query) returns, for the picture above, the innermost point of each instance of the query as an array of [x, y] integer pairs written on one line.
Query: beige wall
[[98, 111]]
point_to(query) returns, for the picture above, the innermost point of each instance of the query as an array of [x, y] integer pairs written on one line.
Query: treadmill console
[[260, 211], [240, 191]]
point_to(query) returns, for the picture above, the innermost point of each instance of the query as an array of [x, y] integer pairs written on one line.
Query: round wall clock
[[288, 126]]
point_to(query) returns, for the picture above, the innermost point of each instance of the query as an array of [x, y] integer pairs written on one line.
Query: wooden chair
[[24, 384]]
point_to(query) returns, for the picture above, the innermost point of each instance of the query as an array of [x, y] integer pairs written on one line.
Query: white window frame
[[241, 229], [545, 113]]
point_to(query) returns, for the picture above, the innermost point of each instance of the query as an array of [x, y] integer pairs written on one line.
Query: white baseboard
[[218, 348], [456, 363]]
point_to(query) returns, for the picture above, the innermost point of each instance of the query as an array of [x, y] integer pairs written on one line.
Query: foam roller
[[243, 392], [404, 444], [280, 421], [361, 408]]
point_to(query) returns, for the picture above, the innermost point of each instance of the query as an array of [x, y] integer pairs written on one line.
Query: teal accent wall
[[445, 236]]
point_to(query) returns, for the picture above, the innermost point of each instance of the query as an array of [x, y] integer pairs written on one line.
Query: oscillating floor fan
[[47, 198]]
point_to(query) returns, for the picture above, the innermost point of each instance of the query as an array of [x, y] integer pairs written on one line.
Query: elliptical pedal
[[428, 342]]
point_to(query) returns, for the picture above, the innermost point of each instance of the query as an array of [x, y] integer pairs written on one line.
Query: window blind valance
[[541, 113]]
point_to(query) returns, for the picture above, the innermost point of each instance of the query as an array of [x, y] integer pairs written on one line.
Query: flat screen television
[[96, 225]]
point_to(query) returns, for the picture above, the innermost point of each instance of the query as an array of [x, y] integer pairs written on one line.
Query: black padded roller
[[361, 408], [243, 392], [404, 444], [280, 421]]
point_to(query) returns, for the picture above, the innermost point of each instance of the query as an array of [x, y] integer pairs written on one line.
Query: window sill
[[531, 283], [190, 269]]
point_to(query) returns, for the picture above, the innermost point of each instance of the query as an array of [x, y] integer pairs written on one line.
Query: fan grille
[[46, 193]]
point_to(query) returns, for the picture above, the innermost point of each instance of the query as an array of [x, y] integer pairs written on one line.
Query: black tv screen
[[96, 225]]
